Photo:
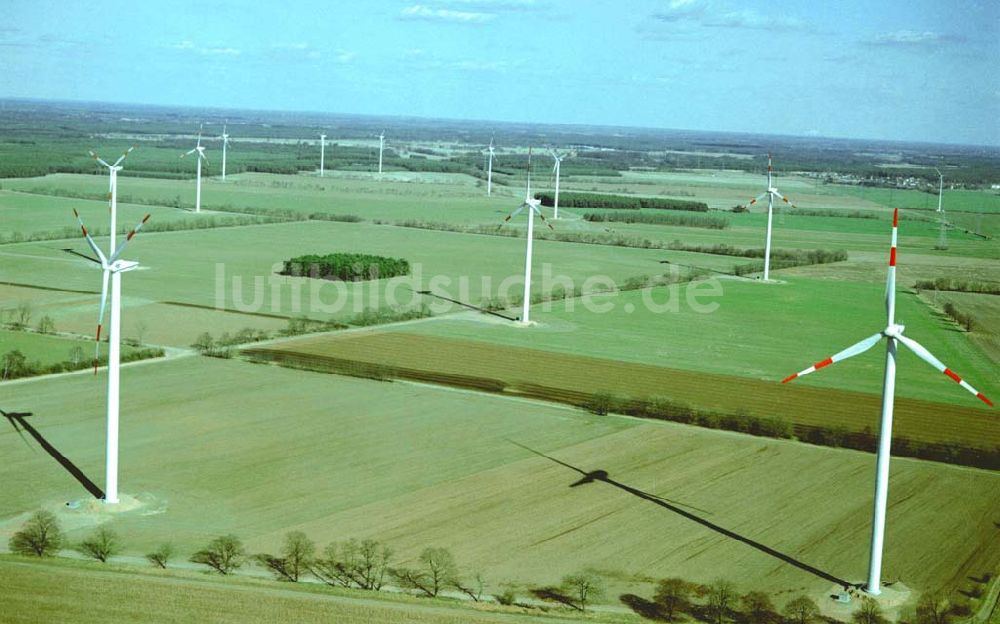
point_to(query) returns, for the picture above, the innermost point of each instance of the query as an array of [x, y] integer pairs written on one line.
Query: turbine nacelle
[[122, 266], [893, 331]]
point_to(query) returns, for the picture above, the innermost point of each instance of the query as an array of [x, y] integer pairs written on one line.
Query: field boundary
[[657, 407]]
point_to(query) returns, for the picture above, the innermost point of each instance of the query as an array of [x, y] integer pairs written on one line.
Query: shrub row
[[15, 365], [853, 214], [618, 202], [965, 320], [836, 436], [712, 223], [791, 257], [662, 408], [349, 267], [956, 285], [207, 222]]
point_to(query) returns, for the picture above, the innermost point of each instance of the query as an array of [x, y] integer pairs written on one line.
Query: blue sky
[[890, 69]]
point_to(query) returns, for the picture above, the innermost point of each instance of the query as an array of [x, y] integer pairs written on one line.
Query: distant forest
[[40, 137]]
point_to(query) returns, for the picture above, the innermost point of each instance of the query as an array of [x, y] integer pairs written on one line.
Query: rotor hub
[[893, 331]]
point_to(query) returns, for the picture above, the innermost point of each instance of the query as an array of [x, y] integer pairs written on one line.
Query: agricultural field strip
[[189, 597], [580, 375], [454, 461]]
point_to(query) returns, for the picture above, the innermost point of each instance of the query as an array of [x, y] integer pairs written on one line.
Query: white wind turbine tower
[[225, 144], [555, 169], [113, 192], [381, 146], [943, 236], [770, 193], [893, 334], [532, 205], [201, 156], [322, 153], [112, 267], [489, 169]]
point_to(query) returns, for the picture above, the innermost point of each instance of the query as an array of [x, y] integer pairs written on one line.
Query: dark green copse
[[349, 267], [625, 202]]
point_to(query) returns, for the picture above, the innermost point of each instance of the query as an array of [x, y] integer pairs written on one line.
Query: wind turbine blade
[[122, 157], [90, 241], [851, 351], [98, 158], [189, 152], [512, 215], [201, 155], [784, 199], [539, 213], [100, 316], [131, 233], [928, 357], [757, 199]]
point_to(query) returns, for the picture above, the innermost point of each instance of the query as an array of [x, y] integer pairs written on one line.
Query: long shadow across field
[[18, 418], [604, 477], [428, 293]]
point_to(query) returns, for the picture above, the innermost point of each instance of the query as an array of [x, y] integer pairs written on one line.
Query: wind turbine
[[555, 169], [112, 267], [489, 169], [943, 236], [532, 205], [770, 193], [381, 145], [225, 144], [893, 333], [322, 153], [113, 191], [201, 156]]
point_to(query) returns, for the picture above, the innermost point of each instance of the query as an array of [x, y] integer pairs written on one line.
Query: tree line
[[958, 285], [712, 223], [622, 202], [369, 565]]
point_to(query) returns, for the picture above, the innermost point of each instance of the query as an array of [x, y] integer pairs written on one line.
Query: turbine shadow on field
[[428, 293], [675, 507], [17, 418], [692, 266]]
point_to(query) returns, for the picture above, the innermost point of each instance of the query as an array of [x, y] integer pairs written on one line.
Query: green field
[[355, 459], [740, 332], [85, 593], [212, 446], [49, 349]]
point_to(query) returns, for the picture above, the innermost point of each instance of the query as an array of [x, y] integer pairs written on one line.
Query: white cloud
[[345, 56], [190, 46], [295, 51], [498, 5], [424, 12], [706, 14], [221, 51], [913, 38]]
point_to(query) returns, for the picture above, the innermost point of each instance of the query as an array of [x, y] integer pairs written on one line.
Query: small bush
[[40, 536], [161, 556], [101, 544], [224, 554]]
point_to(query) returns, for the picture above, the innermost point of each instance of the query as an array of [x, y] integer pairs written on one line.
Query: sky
[[908, 70]]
